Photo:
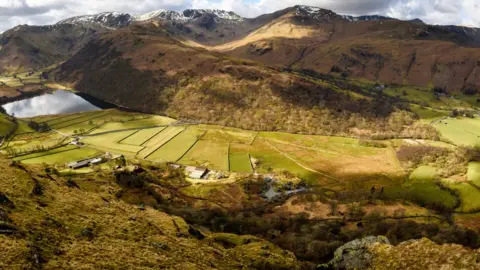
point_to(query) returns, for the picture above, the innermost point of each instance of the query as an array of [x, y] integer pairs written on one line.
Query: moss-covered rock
[[355, 254]]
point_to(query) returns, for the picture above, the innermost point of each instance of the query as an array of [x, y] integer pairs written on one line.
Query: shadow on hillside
[[308, 95], [100, 71]]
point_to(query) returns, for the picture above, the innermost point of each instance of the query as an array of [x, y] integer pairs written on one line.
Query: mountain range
[[373, 47]]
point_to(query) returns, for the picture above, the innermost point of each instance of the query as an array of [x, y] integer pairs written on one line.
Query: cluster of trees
[[39, 127], [466, 113], [299, 107], [448, 161]]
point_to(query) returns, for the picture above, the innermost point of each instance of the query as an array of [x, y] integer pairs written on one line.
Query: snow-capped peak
[[189, 14], [106, 19], [159, 14], [365, 18], [315, 12]]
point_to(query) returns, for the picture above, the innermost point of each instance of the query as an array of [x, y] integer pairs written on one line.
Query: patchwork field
[[142, 136], [111, 141], [334, 163], [159, 140], [176, 148]]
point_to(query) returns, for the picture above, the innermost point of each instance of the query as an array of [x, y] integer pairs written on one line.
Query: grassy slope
[[461, 131], [209, 154], [468, 196], [474, 173], [54, 236], [6, 125]]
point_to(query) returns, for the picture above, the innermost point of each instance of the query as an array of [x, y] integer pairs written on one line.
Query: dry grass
[[122, 235]]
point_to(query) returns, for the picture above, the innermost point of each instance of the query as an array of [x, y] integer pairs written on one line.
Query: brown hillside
[[387, 50], [33, 47], [143, 68]]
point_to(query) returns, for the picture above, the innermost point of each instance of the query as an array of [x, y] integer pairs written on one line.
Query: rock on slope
[[50, 222], [377, 253]]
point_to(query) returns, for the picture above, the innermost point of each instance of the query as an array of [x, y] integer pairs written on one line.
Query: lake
[[58, 102]]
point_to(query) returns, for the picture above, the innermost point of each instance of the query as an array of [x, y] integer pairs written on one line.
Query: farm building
[[196, 172], [78, 164], [84, 163], [175, 166]]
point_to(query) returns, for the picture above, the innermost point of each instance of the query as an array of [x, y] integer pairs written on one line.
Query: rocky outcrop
[[376, 252], [423, 254], [355, 254]]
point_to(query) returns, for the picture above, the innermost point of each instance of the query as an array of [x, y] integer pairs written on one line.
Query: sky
[[41, 12]]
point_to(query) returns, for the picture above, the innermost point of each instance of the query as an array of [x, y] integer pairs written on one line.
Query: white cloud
[[13, 12]]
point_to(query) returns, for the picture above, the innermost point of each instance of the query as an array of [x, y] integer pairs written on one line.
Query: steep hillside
[[376, 48], [143, 68], [51, 222], [33, 47]]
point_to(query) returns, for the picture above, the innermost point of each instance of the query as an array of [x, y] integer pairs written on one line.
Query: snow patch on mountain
[[106, 19], [315, 13], [189, 14], [365, 18]]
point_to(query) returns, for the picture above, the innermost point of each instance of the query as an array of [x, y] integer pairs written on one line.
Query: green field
[[469, 196], [84, 119], [422, 193], [173, 150], [427, 97], [23, 127], [232, 135], [65, 157], [141, 136], [271, 160], [159, 140], [460, 131], [149, 121], [46, 153], [239, 158], [427, 115], [6, 125], [110, 141], [240, 162], [423, 174], [474, 173], [52, 121], [210, 154]]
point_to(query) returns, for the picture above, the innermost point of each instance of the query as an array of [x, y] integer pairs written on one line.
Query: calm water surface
[[56, 103]]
